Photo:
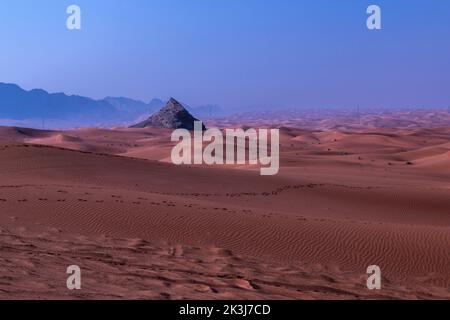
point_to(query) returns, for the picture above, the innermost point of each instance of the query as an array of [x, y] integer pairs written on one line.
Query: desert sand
[[140, 227]]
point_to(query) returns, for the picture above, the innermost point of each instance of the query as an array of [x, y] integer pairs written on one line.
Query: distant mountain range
[[132, 106], [35, 106]]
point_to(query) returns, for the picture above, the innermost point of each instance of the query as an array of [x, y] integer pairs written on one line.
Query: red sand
[[142, 228]]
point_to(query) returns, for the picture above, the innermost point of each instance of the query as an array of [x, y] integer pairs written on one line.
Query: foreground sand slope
[[327, 216], [138, 269]]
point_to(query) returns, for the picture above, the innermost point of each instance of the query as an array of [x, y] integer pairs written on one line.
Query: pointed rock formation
[[172, 116]]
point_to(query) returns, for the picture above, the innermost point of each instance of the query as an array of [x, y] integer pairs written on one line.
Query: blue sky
[[235, 53]]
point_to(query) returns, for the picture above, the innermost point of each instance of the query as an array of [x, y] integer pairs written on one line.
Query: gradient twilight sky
[[235, 53]]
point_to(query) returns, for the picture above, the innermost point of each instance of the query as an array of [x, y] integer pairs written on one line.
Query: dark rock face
[[172, 116]]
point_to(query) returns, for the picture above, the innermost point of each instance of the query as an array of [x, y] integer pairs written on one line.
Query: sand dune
[[138, 269], [342, 201]]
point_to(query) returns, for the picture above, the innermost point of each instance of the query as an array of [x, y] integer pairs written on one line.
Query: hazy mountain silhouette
[[134, 106], [172, 116], [126, 104], [36, 107], [207, 111], [17, 103]]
